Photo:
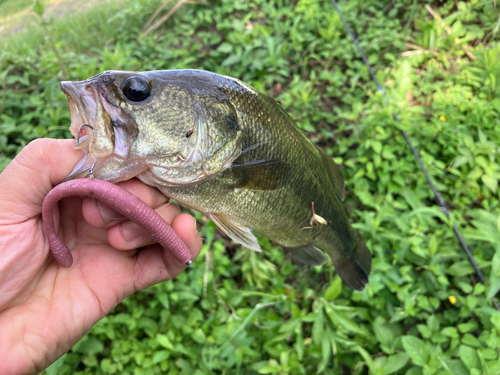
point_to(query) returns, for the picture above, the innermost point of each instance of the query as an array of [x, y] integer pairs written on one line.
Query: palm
[[46, 308]]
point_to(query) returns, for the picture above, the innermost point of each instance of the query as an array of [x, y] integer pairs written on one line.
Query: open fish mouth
[[97, 126]]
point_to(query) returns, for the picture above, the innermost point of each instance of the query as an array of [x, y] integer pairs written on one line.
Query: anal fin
[[236, 232], [307, 254]]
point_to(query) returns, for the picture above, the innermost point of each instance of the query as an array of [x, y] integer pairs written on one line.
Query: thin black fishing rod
[[439, 198]]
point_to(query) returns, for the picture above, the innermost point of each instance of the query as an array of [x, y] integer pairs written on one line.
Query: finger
[[185, 227], [100, 215], [129, 236], [154, 265], [26, 181]]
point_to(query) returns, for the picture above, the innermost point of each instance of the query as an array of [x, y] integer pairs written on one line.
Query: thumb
[[26, 181]]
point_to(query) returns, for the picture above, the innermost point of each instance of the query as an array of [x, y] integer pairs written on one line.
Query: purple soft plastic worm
[[120, 200]]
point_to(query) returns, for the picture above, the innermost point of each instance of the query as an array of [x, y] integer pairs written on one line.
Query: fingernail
[[107, 213], [131, 231]]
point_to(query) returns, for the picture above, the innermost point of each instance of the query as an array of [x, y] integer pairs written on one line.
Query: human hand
[[46, 308]]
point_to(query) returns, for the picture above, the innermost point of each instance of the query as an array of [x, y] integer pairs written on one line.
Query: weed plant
[[237, 312]]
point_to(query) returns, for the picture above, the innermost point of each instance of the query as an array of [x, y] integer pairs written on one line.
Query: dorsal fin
[[334, 174]]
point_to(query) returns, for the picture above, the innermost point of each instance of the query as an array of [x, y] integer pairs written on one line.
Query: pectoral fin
[[307, 254], [261, 174], [236, 232]]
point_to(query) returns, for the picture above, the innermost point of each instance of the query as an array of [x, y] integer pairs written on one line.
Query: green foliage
[[234, 311], [9, 7]]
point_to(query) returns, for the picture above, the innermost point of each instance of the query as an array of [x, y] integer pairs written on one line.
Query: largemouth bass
[[217, 145]]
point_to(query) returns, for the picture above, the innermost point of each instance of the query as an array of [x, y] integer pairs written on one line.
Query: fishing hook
[[91, 170], [80, 130]]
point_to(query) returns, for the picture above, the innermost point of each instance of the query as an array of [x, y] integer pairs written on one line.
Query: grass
[[235, 311], [13, 14], [17, 15], [68, 20], [10, 7]]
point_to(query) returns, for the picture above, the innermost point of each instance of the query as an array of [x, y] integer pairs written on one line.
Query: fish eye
[[136, 88]]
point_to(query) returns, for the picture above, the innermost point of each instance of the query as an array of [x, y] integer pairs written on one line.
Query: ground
[[15, 15]]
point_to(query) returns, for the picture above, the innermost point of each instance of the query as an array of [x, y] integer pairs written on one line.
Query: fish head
[[178, 127]]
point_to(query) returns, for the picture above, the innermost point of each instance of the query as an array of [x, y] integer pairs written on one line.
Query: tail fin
[[355, 269]]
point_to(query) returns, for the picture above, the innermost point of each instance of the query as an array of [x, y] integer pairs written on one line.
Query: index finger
[[25, 182]]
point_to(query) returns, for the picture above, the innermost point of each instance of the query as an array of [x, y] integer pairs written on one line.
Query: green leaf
[[494, 367], [231, 60], [471, 340], [416, 349], [38, 8], [494, 286], [460, 269], [490, 182], [424, 330], [466, 287], [107, 366], [470, 326], [289, 326], [469, 357], [164, 341], [272, 368], [433, 323], [325, 353], [395, 363], [377, 146], [455, 367], [269, 370], [495, 320], [53, 369], [368, 359], [225, 48], [90, 346], [343, 321], [318, 327], [495, 264], [414, 371], [383, 333], [334, 289], [459, 160], [199, 336], [160, 356], [163, 298], [449, 332]]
